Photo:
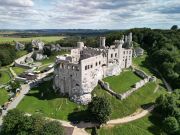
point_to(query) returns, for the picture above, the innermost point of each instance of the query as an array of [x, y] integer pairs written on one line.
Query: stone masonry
[[77, 74]]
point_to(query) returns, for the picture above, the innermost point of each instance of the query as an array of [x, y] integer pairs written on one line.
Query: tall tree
[[100, 108], [52, 128], [174, 27]]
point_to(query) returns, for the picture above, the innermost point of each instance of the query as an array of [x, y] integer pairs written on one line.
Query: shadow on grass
[[79, 116], [45, 92], [146, 106]]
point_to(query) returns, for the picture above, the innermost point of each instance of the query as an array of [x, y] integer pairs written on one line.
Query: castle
[[77, 74]]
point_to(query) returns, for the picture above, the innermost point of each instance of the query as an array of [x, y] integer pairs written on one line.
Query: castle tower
[[80, 45], [102, 42]]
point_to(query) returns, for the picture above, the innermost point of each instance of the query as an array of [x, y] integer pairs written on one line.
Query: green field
[[21, 53], [122, 82], [5, 78], [143, 96], [18, 70], [45, 39], [141, 63], [50, 105], [3, 96], [148, 125]]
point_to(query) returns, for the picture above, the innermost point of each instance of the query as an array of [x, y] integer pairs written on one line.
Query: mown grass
[[5, 78], [138, 99], [19, 70], [122, 82], [148, 125], [45, 39], [50, 105], [3, 96]]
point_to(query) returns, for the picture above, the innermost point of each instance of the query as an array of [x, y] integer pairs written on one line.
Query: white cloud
[[116, 14], [17, 3]]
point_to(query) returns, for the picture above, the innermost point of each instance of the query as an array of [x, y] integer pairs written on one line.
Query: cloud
[[17, 3], [112, 14]]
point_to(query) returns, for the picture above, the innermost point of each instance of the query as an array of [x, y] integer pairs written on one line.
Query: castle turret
[[80, 45], [102, 42]]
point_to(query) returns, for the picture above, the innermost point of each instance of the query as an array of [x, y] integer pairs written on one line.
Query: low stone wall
[[106, 87], [140, 73], [126, 94], [138, 85], [18, 61]]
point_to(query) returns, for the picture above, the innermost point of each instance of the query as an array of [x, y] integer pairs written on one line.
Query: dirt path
[[132, 117]]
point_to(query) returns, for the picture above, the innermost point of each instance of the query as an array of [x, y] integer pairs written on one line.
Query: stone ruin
[[77, 74]]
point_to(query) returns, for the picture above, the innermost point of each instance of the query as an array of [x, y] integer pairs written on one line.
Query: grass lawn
[[148, 125], [45, 39], [3, 96], [50, 105], [18, 70], [4, 76], [21, 53], [142, 64], [122, 82], [42, 67], [52, 58], [143, 96]]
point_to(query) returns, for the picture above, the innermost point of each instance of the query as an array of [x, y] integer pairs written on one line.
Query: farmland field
[[45, 39]]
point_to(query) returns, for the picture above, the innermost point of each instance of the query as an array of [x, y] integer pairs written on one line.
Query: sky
[[88, 14]]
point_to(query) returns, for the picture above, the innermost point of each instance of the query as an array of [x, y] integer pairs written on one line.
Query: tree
[[37, 124], [52, 128], [100, 108], [174, 27], [11, 122], [170, 125], [14, 86]]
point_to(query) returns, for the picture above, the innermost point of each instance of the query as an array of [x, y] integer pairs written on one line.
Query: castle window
[[115, 54], [91, 66], [86, 67], [111, 55], [124, 52], [68, 67], [96, 63], [60, 66], [99, 63], [129, 52]]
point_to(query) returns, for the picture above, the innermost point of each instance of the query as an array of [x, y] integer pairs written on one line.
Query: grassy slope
[[128, 106], [44, 39], [3, 96], [21, 53], [19, 70], [5, 76], [144, 126], [142, 64], [122, 82], [51, 105]]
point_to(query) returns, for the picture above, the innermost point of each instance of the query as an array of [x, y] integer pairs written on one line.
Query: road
[[24, 90]]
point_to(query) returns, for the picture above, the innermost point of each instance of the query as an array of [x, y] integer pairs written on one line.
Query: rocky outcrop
[[19, 46]]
